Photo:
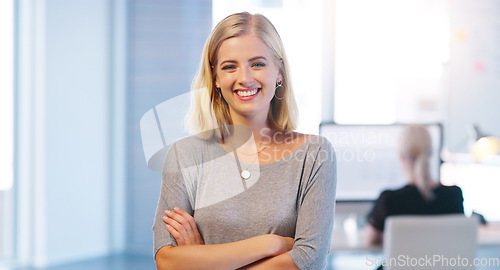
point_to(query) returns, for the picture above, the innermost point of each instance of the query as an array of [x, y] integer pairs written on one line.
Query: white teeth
[[246, 93]]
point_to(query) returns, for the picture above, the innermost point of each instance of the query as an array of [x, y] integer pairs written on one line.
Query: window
[[389, 60], [7, 126]]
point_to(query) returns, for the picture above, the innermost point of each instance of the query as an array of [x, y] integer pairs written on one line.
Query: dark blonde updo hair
[[416, 146]]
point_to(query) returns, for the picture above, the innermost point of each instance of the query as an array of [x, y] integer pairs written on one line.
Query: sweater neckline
[[278, 162]]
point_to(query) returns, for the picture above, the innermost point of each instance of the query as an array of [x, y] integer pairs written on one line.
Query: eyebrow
[[252, 59]]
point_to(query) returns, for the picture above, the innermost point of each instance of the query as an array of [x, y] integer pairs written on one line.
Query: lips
[[247, 94]]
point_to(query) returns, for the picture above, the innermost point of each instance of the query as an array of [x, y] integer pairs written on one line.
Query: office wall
[[473, 94], [73, 58], [77, 120], [166, 39], [63, 123]]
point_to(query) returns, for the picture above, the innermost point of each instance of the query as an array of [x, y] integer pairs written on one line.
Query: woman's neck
[[247, 127]]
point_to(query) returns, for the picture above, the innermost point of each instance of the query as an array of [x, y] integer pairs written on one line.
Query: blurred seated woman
[[421, 196]]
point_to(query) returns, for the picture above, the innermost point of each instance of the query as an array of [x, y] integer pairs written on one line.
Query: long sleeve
[[173, 193], [294, 197], [379, 213], [316, 207]]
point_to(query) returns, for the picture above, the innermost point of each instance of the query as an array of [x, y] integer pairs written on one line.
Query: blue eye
[[258, 64], [228, 67]]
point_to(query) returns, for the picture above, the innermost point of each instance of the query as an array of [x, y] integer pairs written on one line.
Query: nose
[[245, 77]]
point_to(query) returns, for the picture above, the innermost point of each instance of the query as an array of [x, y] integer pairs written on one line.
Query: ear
[[280, 74], [280, 70], [217, 82]]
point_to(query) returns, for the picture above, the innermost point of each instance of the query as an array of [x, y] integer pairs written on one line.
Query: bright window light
[[6, 94], [386, 51]]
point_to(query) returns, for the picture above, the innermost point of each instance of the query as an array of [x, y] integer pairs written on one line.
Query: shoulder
[[316, 152], [194, 143], [190, 151], [315, 146], [451, 188], [404, 192], [320, 148], [386, 194], [390, 194], [455, 190], [447, 188], [318, 140], [310, 140]]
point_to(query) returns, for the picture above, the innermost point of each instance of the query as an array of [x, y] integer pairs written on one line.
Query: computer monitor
[[368, 158]]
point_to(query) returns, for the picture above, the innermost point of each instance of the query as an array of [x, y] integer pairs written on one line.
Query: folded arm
[[191, 252], [222, 256], [283, 261]]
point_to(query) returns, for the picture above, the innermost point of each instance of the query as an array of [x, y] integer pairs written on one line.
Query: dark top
[[409, 201]]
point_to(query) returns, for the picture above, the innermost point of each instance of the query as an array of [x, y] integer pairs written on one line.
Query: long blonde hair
[[209, 112], [416, 147]]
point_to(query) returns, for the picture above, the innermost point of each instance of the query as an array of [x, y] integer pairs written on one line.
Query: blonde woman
[[246, 191], [422, 195]]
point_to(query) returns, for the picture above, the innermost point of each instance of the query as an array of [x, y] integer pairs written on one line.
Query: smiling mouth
[[247, 93]]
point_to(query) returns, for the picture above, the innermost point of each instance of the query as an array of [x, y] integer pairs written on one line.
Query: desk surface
[[489, 234], [352, 238]]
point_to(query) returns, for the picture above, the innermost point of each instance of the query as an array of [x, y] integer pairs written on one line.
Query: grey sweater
[[294, 196]]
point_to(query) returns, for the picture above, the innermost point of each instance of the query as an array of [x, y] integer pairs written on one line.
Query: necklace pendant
[[245, 174]]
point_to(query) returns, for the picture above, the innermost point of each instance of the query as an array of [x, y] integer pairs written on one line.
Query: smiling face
[[247, 75]]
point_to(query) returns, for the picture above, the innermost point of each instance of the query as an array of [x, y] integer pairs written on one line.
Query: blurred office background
[[76, 76]]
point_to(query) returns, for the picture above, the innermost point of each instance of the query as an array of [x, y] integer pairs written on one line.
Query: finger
[[176, 225], [179, 218], [177, 230], [177, 236], [191, 221], [188, 218]]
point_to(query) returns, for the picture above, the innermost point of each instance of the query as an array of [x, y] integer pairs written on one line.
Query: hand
[[182, 227], [286, 244], [279, 245]]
